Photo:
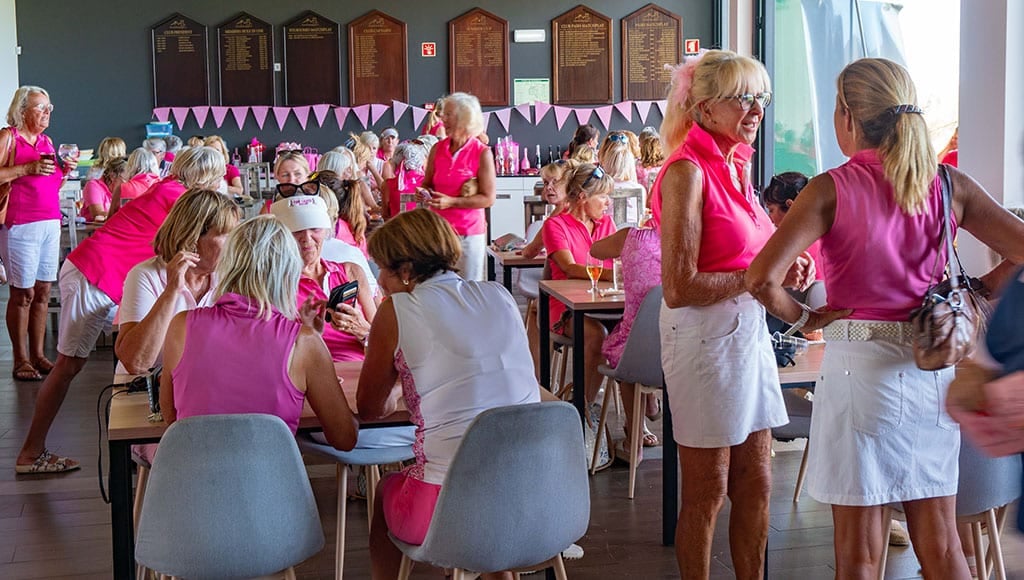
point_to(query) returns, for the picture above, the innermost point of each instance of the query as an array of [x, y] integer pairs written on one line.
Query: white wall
[[8, 56]]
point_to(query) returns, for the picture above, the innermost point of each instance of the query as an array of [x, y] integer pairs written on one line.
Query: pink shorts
[[408, 506]]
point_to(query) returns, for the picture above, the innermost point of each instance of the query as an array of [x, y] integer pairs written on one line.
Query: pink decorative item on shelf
[[254, 151]]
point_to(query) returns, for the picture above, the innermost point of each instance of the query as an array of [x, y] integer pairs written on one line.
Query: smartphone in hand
[[344, 294]]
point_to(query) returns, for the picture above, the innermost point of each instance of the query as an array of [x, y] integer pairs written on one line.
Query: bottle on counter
[[537, 154], [551, 155], [499, 159], [236, 159], [524, 165], [559, 153]]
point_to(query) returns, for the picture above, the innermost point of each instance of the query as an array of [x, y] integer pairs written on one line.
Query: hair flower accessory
[[682, 76]]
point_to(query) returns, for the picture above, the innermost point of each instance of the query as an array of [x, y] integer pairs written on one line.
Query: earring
[[406, 282]]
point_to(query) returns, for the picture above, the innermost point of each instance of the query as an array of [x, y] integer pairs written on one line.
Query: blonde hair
[[583, 153], [361, 149], [261, 262], [420, 238], [196, 212], [295, 156], [349, 203], [871, 89], [469, 118], [434, 117], [616, 157], [116, 167], [717, 74], [559, 170], [651, 153], [218, 143], [110, 148], [337, 162], [199, 167], [142, 161], [583, 184], [16, 112]]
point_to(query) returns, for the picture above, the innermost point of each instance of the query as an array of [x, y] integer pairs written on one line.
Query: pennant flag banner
[[376, 112], [362, 113], [320, 114], [398, 108], [260, 114], [341, 113], [162, 114], [662, 106], [239, 114], [643, 108], [583, 116], [625, 108], [418, 114], [281, 116], [605, 115], [302, 114], [218, 115], [539, 110], [524, 110], [504, 116], [180, 114], [487, 120], [200, 114], [561, 114]]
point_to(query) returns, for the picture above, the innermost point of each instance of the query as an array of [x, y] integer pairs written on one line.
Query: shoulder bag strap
[[947, 233]]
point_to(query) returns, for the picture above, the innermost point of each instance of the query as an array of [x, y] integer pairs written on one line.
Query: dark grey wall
[[96, 61]]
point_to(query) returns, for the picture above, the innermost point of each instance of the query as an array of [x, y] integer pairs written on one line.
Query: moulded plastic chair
[[641, 365], [371, 458], [799, 427], [490, 515], [227, 497]]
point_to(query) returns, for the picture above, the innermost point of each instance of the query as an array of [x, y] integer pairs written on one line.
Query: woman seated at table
[[640, 250], [555, 177], [350, 227], [97, 194], [306, 217], [253, 351], [109, 148], [232, 177], [434, 333], [180, 277], [142, 172], [403, 173], [568, 238], [651, 157], [342, 161]]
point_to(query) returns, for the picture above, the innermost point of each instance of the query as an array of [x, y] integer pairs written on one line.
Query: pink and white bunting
[[239, 114], [524, 110], [504, 116], [582, 116], [539, 110], [398, 109], [200, 114], [561, 114], [487, 120], [281, 116], [605, 115], [218, 115], [302, 115], [162, 114], [341, 113], [362, 113], [662, 106], [625, 108], [418, 114], [643, 108], [320, 114], [180, 115], [260, 114], [376, 112]]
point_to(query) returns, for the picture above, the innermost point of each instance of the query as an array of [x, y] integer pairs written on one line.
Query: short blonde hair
[[218, 143], [616, 157], [871, 89], [295, 156], [420, 238], [583, 184], [651, 153], [142, 161], [261, 261], [195, 213], [116, 167], [469, 118], [16, 112], [108, 149], [559, 170], [199, 167]]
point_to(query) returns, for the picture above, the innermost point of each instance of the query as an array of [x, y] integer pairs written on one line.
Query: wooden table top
[[515, 258], [807, 368], [128, 413], [576, 295]]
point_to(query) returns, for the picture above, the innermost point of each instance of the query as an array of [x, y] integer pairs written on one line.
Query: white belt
[[863, 330]]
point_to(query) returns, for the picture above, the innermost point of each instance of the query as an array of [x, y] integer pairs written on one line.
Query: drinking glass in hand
[[68, 151], [594, 269]]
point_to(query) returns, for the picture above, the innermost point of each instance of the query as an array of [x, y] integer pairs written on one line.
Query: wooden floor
[[58, 526]]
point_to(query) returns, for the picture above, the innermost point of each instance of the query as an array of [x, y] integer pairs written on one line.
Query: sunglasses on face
[[597, 173], [287, 190], [747, 100]]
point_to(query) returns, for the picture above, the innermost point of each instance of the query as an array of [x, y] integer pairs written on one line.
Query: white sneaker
[[573, 552]]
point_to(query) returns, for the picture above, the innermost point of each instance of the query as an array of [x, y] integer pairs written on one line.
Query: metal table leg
[[122, 529]]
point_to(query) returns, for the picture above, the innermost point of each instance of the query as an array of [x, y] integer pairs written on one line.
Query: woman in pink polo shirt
[[455, 160], [143, 172], [720, 373], [98, 193], [567, 238]]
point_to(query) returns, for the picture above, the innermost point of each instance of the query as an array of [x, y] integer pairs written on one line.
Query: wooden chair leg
[[1001, 514], [887, 526], [636, 438], [372, 479], [979, 551], [618, 403], [289, 574], [405, 569], [339, 541], [533, 333], [609, 391], [560, 568], [995, 545], [803, 473]]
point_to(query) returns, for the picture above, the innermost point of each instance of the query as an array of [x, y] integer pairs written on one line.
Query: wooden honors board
[[181, 74], [312, 61], [478, 56], [651, 38], [582, 57], [245, 51], [378, 61]]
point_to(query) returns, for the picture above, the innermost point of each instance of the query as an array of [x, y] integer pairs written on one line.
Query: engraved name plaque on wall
[[651, 38], [245, 50], [478, 56], [181, 75], [582, 57], [312, 73], [378, 61]]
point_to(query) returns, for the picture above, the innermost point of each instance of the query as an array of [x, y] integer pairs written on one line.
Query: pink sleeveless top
[[137, 185], [33, 198], [235, 362], [881, 272], [451, 170], [342, 345], [735, 227], [343, 232], [106, 257]]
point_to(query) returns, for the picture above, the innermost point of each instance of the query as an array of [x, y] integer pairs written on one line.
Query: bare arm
[[235, 186], [997, 228], [486, 188], [568, 265], [374, 398], [10, 173], [173, 347], [312, 368], [611, 247]]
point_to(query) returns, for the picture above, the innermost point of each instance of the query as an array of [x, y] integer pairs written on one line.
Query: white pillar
[[739, 23], [8, 56], [991, 117]]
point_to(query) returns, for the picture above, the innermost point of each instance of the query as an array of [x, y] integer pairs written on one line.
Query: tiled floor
[[58, 526]]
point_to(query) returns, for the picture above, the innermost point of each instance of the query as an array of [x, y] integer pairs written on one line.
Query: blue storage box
[[158, 129]]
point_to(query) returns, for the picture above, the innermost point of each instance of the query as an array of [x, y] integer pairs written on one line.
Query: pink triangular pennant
[[398, 108], [362, 113], [504, 116], [561, 114], [200, 114], [662, 106], [605, 115], [376, 112], [320, 113], [583, 115], [281, 116], [162, 113], [625, 108], [180, 114], [302, 114], [643, 108], [524, 110], [218, 115], [418, 114], [239, 114], [341, 113], [260, 114], [487, 120], [539, 110]]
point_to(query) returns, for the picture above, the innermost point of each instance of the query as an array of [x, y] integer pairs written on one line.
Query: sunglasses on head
[[311, 187], [597, 173], [618, 138]]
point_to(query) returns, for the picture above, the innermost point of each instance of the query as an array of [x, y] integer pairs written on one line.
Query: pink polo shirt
[[230, 173], [137, 185], [342, 345], [565, 232], [106, 257], [734, 225], [343, 232], [95, 192], [451, 170], [33, 198]]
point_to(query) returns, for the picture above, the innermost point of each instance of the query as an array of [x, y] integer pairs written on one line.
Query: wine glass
[[594, 269], [68, 151]]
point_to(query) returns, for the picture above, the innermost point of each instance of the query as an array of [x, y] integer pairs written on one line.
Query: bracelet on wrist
[[800, 322]]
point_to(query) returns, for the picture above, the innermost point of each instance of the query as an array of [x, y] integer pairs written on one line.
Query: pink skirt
[[408, 506]]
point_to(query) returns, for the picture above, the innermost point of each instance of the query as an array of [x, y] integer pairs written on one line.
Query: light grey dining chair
[[227, 497], [516, 494], [799, 427]]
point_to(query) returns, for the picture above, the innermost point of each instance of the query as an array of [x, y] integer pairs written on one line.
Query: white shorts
[[720, 373], [30, 252], [85, 312], [474, 257]]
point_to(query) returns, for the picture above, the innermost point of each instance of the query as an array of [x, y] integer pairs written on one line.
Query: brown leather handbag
[[952, 316], [5, 188]]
